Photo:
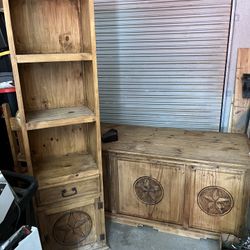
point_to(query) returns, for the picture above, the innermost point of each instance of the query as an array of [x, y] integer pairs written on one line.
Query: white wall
[[240, 39]]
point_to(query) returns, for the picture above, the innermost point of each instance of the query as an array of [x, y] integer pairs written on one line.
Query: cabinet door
[[70, 227], [216, 200], [149, 190]]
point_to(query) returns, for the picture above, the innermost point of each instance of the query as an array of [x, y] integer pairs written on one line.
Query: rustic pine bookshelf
[[53, 55]]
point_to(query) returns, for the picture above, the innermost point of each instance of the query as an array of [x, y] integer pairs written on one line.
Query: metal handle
[[64, 192]]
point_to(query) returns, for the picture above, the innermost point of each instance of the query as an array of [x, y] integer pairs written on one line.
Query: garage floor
[[121, 237]]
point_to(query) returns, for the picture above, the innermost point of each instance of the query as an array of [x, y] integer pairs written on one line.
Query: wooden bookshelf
[[53, 55]]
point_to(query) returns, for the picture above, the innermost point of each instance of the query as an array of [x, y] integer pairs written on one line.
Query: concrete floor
[[121, 237]]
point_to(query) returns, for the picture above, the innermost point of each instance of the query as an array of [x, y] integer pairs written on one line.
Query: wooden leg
[[11, 134]]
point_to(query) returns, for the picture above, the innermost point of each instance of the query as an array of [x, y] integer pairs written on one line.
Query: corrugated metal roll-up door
[[162, 63]]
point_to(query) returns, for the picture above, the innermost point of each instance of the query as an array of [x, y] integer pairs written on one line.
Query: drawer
[[67, 191], [72, 226]]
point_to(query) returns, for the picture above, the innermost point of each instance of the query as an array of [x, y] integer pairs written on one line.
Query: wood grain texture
[[241, 106], [58, 117], [232, 183], [231, 150], [37, 29], [69, 190], [203, 190], [63, 169], [187, 194], [11, 134], [15, 139], [56, 142], [41, 58], [15, 126], [16, 77], [88, 26], [171, 178], [53, 54], [113, 193], [52, 85], [52, 218]]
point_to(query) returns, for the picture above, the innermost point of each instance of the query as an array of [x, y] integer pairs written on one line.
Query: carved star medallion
[[148, 190], [215, 201], [72, 228]]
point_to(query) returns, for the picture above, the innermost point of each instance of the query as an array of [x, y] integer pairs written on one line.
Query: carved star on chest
[[214, 200], [148, 190]]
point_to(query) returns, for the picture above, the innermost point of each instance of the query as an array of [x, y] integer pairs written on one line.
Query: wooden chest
[[185, 182]]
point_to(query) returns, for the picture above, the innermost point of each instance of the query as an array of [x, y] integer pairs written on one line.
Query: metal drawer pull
[[64, 192]]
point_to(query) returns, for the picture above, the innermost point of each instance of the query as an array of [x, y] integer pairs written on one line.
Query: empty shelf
[[39, 58], [54, 170], [58, 117]]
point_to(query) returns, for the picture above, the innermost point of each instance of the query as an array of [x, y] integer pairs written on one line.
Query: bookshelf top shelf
[[63, 57], [58, 117], [42, 26]]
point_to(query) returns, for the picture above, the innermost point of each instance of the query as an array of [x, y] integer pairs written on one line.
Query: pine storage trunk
[[184, 182]]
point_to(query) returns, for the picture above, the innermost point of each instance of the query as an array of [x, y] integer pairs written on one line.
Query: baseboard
[[163, 227]]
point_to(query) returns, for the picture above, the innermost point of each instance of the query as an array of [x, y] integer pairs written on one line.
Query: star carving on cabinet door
[[214, 200], [148, 190], [72, 228]]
